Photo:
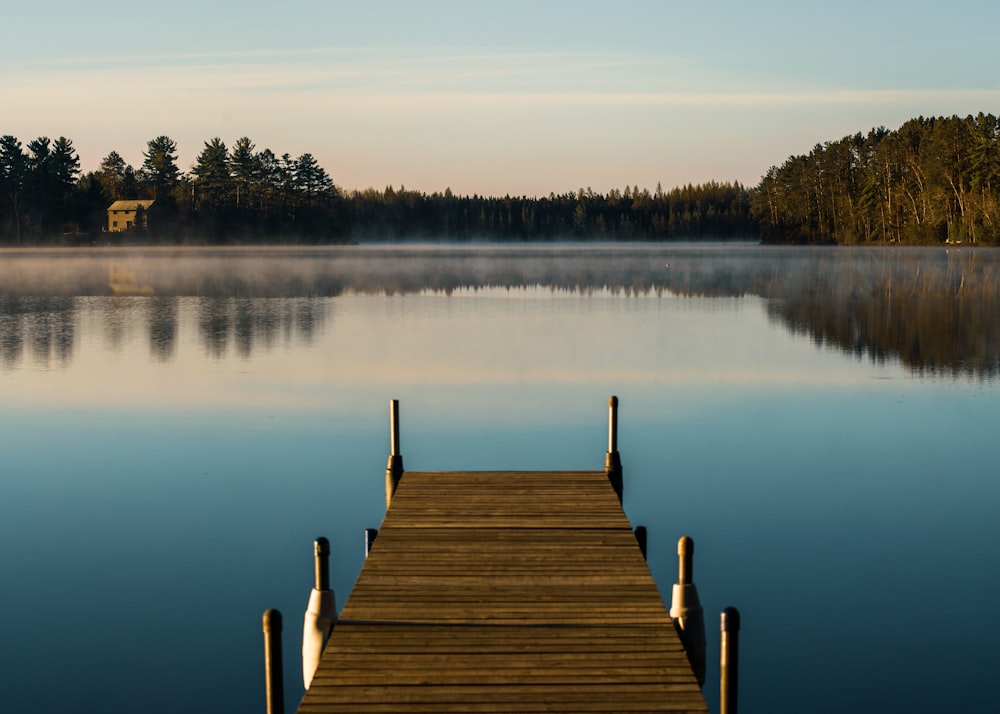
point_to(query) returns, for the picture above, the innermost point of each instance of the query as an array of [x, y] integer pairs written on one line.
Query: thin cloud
[[377, 69], [433, 77], [381, 84]]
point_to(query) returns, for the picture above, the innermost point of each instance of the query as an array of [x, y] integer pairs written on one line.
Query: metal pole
[[612, 460], [394, 468], [729, 661], [273, 674]]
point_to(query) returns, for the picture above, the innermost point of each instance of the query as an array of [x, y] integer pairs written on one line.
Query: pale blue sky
[[495, 98]]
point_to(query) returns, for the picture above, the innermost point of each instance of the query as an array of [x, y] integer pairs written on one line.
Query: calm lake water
[[822, 422]]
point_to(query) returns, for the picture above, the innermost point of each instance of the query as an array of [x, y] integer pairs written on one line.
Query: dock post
[[685, 609], [370, 535], [394, 469], [612, 460], [640, 538], [274, 686], [729, 661], [321, 613]]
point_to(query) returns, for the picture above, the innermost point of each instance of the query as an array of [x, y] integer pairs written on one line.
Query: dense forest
[[240, 194], [933, 180]]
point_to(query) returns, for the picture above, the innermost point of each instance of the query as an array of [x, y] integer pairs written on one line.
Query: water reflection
[[161, 318], [938, 314], [117, 318], [935, 310], [43, 325], [43, 330], [247, 324]]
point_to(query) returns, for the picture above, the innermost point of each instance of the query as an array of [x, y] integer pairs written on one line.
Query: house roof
[[130, 205]]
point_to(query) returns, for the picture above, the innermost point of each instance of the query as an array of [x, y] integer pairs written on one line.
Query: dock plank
[[504, 592]]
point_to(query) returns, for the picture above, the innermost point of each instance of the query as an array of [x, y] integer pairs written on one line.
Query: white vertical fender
[[321, 616], [685, 607], [686, 612]]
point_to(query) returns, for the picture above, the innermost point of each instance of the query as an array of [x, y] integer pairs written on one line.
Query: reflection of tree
[[11, 331], [244, 328], [161, 316], [938, 316], [932, 309], [52, 329], [935, 310], [213, 325], [255, 323], [115, 323], [47, 325]]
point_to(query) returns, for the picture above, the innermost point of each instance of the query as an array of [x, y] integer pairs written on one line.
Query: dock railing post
[[641, 539], [729, 661], [394, 468], [685, 609], [612, 460], [321, 613], [370, 535], [274, 687]]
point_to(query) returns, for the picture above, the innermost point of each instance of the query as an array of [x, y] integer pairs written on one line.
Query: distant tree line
[[241, 194], [692, 212], [933, 180]]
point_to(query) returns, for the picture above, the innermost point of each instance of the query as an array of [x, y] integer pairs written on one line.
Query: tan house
[[122, 215]]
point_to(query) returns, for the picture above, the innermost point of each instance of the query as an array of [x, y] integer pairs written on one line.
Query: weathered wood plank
[[504, 592]]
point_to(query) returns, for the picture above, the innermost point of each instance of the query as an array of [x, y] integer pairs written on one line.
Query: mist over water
[[821, 422], [934, 309]]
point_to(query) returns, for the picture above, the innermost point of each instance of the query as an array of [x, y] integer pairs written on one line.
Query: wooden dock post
[[685, 609], [640, 538], [612, 460], [370, 535], [394, 468], [321, 613], [729, 661], [274, 687]]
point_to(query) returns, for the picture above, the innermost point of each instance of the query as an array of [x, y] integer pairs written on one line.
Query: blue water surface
[[156, 501]]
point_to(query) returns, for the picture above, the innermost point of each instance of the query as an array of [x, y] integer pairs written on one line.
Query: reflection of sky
[[484, 337]]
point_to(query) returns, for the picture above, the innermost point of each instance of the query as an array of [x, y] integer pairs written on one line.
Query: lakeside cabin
[[126, 215]]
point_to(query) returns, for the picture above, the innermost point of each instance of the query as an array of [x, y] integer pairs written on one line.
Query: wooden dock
[[504, 592]]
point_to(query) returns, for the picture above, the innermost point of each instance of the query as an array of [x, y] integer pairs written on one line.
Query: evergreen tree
[[310, 179], [159, 168], [13, 174], [42, 189], [113, 175], [65, 164], [212, 177], [244, 168]]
